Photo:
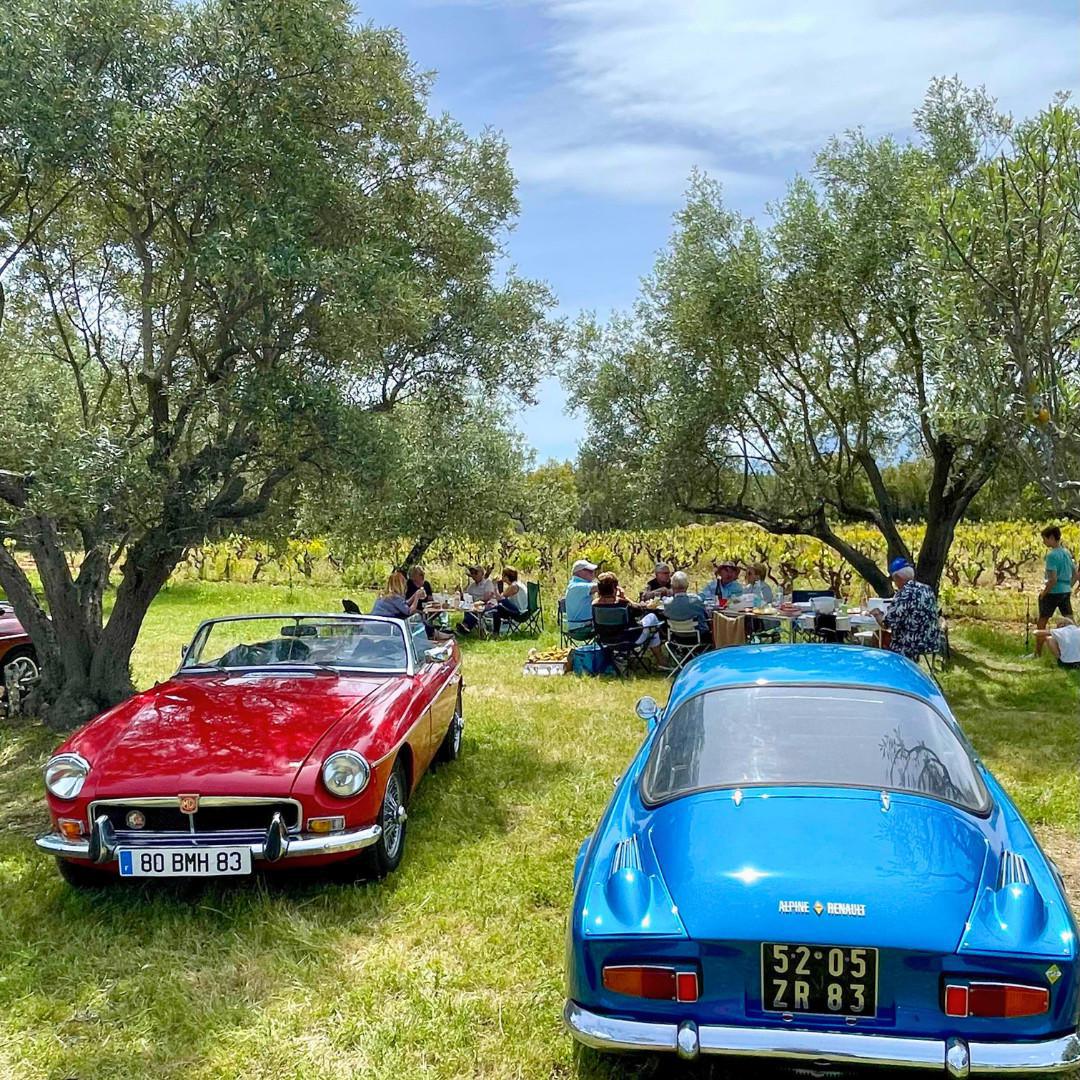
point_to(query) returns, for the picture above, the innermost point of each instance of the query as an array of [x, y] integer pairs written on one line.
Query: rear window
[[819, 736]]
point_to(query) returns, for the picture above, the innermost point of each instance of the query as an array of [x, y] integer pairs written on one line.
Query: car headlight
[[65, 775], [345, 773]]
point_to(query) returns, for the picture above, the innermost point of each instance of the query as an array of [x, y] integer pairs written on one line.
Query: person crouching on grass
[[1062, 642]]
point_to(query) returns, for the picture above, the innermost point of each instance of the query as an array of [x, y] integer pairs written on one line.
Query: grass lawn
[[450, 968]]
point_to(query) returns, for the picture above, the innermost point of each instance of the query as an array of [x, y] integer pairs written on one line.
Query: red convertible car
[[282, 739]]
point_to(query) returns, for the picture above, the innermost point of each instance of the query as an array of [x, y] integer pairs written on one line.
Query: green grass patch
[[453, 966]]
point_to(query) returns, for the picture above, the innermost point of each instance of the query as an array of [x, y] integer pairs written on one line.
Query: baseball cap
[[582, 564], [473, 569], [661, 566], [898, 564], [726, 562]]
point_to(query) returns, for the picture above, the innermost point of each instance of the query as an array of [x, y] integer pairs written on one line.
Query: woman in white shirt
[[514, 602]]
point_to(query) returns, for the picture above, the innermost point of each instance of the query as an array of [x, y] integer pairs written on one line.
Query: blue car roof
[[777, 665]]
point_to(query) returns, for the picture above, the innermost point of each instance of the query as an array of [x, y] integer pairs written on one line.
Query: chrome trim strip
[[297, 845], [1049, 1057]]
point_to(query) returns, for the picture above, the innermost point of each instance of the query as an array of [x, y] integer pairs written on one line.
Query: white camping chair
[[685, 640]]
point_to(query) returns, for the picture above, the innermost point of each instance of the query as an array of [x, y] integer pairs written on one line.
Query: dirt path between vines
[[1063, 846]]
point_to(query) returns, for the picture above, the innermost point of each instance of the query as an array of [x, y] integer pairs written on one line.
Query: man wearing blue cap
[[913, 619]]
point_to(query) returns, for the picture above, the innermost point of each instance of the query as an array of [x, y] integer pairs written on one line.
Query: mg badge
[[188, 803]]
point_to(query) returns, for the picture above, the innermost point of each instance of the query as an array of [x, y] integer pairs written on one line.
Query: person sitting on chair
[[579, 595], [913, 617], [725, 586], [660, 583], [682, 607], [610, 594], [418, 582], [758, 584], [513, 603], [391, 601], [482, 591], [1062, 642]]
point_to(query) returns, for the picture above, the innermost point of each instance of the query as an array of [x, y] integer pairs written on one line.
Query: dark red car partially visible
[[18, 661]]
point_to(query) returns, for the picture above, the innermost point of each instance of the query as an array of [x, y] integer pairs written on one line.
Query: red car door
[[438, 684]]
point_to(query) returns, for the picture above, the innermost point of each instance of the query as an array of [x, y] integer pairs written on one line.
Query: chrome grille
[[1013, 871], [218, 817], [626, 857]]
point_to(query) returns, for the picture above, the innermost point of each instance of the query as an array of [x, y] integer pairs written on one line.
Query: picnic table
[[729, 625], [433, 611]]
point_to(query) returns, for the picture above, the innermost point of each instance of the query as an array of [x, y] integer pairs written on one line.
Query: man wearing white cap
[[579, 594]]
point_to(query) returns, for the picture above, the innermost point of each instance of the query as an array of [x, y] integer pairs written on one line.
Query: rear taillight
[[647, 981], [996, 999]]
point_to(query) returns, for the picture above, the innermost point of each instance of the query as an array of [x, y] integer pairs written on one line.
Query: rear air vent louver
[[1014, 870], [626, 857]]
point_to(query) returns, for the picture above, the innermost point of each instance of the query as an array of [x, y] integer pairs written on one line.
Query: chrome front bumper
[[954, 1057], [277, 843]]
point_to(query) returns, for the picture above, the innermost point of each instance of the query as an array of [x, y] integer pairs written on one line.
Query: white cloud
[[633, 171], [782, 75], [622, 98]]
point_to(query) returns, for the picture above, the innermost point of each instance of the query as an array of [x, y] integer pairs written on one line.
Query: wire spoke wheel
[[391, 816], [23, 672]]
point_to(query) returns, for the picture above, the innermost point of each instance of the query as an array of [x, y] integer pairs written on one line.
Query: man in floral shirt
[[913, 618]]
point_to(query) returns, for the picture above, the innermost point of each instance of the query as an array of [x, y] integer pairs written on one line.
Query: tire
[[83, 877], [385, 855], [450, 750]]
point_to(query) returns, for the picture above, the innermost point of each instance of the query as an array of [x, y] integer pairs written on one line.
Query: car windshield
[[820, 736], [264, 641]]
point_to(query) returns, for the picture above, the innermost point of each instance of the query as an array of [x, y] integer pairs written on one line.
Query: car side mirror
[[438, 655], [648, 710], [183, 652]]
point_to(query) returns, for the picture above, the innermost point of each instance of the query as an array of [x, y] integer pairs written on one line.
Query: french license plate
[[184, 862], [822, 979]]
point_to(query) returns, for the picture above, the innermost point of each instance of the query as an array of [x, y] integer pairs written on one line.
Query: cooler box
[[589, 660]]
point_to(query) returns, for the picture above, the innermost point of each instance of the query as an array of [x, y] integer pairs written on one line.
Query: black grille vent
[[208, 819]]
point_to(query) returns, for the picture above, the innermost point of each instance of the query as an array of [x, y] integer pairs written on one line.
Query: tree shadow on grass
[[192, 963], [590, 1065], [973, 679]]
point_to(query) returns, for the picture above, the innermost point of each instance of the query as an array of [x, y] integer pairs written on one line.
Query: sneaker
[[1029, 656]]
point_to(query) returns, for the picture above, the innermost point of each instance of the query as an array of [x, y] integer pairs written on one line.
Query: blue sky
[[608, 104]]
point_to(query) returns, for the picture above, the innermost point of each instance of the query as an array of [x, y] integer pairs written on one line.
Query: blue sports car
[[807, 861]]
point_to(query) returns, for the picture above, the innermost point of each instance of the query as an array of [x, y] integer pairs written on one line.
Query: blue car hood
[[829, 867]]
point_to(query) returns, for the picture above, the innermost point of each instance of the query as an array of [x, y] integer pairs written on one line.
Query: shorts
[[1055, 601]]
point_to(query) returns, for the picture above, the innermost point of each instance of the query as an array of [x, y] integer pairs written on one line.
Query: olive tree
[[772, 373], [233, 240], [1009, 241]]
